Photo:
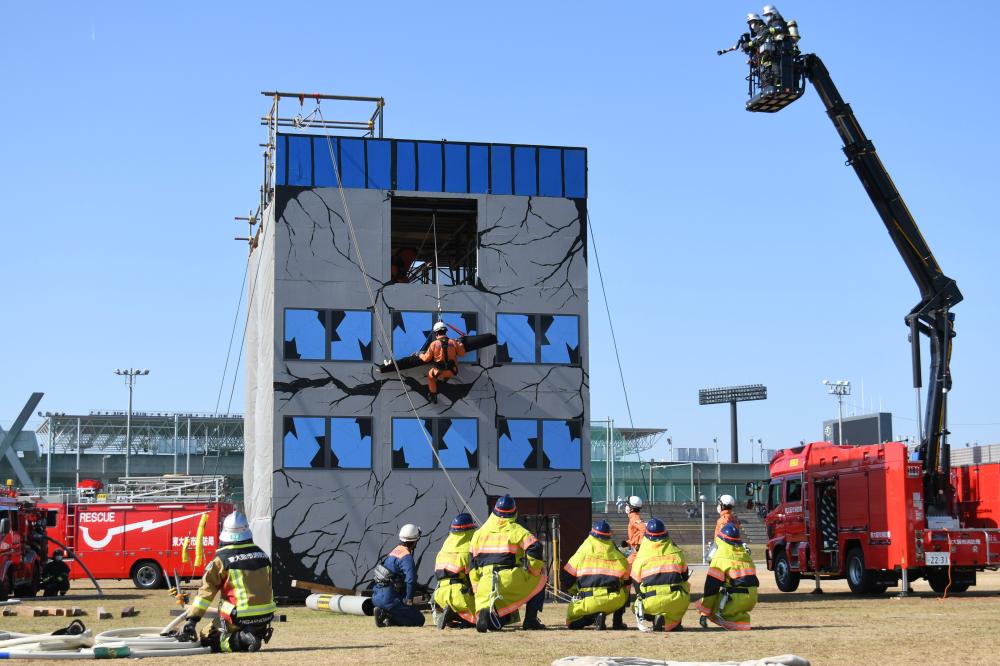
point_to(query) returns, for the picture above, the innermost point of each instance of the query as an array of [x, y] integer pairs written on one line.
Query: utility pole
[[840, 389], [130, 374]]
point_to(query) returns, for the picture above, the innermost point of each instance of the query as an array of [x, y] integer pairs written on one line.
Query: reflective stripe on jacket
[[399, 562], [499, 549], [731, 576], [241, 574]]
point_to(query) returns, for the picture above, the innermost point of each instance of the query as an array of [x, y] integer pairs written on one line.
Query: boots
[[445, 617], [483, 621], [703, 621], [618, 623], [599, 623], [433, 398], [659, 622], [531, 621]]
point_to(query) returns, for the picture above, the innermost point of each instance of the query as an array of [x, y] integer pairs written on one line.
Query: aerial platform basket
[[772, 98]]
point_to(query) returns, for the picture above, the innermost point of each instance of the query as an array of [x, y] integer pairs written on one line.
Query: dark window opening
[[793, 490], [774, 495], [434, 241]]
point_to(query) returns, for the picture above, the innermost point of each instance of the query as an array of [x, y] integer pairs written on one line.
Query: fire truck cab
[[858, 512], [22, 547]]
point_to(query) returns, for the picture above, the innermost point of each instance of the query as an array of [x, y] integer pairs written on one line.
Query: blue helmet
[[730, 533], [656, 530], [601, 530], [505, 507], [462, 523]]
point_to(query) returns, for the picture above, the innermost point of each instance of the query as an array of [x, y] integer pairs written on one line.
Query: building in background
[[859, 430], [492, 237]]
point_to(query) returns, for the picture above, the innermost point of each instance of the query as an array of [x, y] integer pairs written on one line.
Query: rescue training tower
[[360, 245]]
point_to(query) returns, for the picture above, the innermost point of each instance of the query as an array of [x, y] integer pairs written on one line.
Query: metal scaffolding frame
[[153, 433]]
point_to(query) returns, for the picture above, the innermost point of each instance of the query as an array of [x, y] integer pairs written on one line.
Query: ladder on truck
[[168, 488]]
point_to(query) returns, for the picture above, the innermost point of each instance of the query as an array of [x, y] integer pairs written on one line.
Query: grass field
[[834, 628]]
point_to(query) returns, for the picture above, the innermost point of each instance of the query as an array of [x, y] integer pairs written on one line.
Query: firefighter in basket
[[597, 577], [730, 584], [395, 582], [661, 581], [240, 573], [453, 601]]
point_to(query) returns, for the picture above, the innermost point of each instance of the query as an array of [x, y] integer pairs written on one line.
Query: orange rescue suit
[[636, 529], [442, 353], [727, 516]]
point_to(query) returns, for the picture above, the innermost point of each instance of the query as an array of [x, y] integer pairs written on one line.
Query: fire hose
[[76, 557], [133, 642]]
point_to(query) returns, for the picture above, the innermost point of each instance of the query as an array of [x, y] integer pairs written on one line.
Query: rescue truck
[[138, 528], [22, 546]]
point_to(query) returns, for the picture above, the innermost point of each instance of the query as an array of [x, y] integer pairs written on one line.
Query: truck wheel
[[859, 579], [938, 580], [786, 579], [147, 575]]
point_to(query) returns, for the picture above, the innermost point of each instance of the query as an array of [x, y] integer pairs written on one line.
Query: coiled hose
[[135, 642]]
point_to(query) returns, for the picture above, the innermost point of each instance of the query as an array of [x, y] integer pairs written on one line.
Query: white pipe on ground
[[341, 603]]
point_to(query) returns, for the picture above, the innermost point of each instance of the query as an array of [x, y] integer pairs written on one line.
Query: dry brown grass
[[836, 628]]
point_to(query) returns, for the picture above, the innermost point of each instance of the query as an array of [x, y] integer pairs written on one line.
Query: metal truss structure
[[156, 433], [624, 441]]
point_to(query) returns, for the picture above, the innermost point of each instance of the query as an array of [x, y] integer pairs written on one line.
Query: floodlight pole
[[734, 442], [839, 389], [130, 374]]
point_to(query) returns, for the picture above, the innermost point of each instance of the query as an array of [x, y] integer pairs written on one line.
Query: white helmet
[[770, 10], [409, 533], [235, 528], [727, 501], [635, 502], [440, 326], [753, 17]]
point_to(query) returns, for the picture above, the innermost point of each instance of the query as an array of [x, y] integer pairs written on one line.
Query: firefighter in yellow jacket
[[597, 577], [508, 570], [240, 573], [731, 584], [453, 597], [661, 579]]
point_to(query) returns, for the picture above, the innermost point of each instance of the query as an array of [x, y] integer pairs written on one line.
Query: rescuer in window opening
[[395, 580], [661, 579], [455, 605], [730, 584], [240, 573], [442, 354], [597, 577], [508, 570], [55, 576]]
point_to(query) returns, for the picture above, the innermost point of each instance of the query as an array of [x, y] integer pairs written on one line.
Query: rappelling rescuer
[[395, 580], [240, 573], [442, 353], [508, 570], [730, 584], [597, 577], [453, 596]]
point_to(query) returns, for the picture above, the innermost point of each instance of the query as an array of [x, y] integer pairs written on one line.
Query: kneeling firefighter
[[241, 573], [508, 570], [731, 584], [395, 579], [55, 575], [597, 577], [661, 579], [453, 596]]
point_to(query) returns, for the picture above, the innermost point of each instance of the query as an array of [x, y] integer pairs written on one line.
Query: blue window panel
[[304, 442], [350, 335], [280, 153], [575, 173], [479, 169], [406, 166], [300, 160], [380, 164], [455, 176], [352, 162], [517, 443], [500, 170], [351, 443], [323, 161], [458, 443], [431, 168], [463, 321], [411, 332], [409, 444], [525, 171], [550, 172], [515, 338], [305, 335], [560, 339], [561, 445]]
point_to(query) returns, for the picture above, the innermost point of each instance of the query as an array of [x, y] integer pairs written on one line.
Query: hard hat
[[635, 502], [769, 10], [57, 552], [505, 507], [235, 528], [726, 500], [462, 523], [601, 530], [656, 530], [752, 17], [730, 533], [440, 326], [409, 533]]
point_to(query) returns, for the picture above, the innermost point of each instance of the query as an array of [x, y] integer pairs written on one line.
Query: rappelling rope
[[437, 267], [383, 334]]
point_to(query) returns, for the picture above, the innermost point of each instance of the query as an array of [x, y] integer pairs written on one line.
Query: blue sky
[[737, 248]]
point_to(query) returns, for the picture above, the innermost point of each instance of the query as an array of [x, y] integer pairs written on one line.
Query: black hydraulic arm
[[938, 293]]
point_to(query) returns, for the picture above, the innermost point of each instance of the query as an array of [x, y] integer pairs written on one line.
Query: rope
[[383, 334], [437, 266], [232, 335]]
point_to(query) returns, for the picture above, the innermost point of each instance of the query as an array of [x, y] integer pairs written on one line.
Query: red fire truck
[[22, 546], [859, 512], [137, 528]]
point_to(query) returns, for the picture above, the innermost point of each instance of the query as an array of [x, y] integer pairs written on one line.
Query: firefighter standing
[[395, 579], [661, 579], [725, 507], [55, 576], [442, 353], [240, 573], [597, 576], [453, 596], [731, 584], [636, 526], [508, 570]]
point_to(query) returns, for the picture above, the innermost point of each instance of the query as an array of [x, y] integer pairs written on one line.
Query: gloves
[[190, 630]]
